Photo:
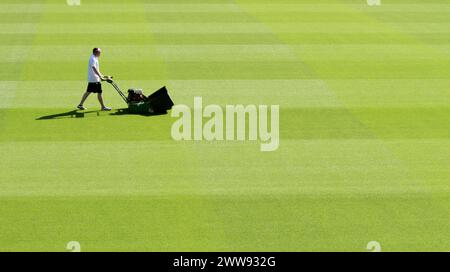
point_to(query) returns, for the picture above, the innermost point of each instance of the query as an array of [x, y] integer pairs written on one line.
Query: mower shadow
[[83, 114], [125, 111]]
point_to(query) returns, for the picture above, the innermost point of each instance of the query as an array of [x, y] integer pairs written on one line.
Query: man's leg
[[83, 99], [100, 99]]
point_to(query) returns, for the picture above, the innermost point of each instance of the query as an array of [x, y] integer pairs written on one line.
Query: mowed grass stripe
[[197, 70], [209, 7], [222, 17], [225, 53], [134, 39], [290, 93], [127, 70], [231, 53], [7, 93], [365, 168], [286, 93], [25, 125], [227, 223], [369, 27]]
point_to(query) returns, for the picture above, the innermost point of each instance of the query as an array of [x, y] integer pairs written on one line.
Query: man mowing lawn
[[94, 79]]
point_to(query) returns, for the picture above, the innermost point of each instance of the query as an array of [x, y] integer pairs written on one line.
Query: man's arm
[[97, 72]]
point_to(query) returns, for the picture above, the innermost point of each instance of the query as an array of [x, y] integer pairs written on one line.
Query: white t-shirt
[[92, 76]]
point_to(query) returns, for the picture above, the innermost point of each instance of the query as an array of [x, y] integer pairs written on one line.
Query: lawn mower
[[157, 103]]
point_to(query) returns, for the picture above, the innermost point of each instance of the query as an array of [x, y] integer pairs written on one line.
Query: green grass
[[364, 123]]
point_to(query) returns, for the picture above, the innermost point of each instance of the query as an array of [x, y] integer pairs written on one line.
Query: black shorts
[[94, 87]]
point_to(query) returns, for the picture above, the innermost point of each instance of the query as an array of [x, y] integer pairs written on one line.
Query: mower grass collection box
[[157, 103]]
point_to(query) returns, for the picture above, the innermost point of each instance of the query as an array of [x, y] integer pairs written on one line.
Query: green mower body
[[140, 108]]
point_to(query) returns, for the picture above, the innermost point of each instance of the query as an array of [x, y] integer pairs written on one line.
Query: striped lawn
[[364, 124]]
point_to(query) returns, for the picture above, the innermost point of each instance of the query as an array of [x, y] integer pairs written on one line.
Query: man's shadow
[[69, 114]]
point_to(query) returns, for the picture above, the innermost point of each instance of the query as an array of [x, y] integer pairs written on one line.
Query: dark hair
[[95, 50]]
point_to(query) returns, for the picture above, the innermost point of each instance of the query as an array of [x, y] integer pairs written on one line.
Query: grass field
[[364, 95]]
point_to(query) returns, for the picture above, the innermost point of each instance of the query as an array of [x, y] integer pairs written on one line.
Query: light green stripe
[[287, 93], [365, 168], [293, 93], [7, 93], [223, 28], [225, 8], [135, 53], [220, 17], [195, 70], [135, 39], [229, 53]]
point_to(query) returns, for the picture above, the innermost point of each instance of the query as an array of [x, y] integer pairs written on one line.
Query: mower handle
[[110, 81], [107, 78]]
